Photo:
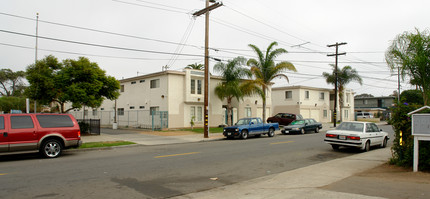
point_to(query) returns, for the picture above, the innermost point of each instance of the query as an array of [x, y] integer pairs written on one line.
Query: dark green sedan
[[302, 126]]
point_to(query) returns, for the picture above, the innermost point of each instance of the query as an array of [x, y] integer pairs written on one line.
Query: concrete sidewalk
[[301, 183]]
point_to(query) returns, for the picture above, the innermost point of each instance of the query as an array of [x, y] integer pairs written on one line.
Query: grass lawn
[[104, 144]]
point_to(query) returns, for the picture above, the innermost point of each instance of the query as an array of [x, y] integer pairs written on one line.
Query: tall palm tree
[[265, 69], [233, 84], [196, 66], [344, 76]]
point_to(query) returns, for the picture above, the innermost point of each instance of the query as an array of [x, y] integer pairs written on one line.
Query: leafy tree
[[233, 85], [410, 53], [344, 76], [265, 69], [363, 95], [11, 102], [79, 82], [196, 66], [11, 82], [412, 97]]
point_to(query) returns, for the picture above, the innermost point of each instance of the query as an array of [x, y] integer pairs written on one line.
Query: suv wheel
[[302, 131], [51, 148]]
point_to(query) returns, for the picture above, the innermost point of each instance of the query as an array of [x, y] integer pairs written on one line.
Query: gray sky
[[141, 36]]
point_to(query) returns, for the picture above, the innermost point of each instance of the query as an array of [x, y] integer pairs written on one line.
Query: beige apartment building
[[178, 93], [311, 102]]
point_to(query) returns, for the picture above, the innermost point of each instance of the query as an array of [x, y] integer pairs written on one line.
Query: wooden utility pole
[[206, 11], [335, 74]]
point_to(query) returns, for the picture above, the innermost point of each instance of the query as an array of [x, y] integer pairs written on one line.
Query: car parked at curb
[[250, 127], [302, 126], [360, 135], [47, 134], [284, 118]]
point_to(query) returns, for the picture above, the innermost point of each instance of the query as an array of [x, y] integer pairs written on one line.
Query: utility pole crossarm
[[207, 9]]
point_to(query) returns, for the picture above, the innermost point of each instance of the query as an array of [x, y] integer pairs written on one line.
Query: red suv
[[47, 133], [284, 118]]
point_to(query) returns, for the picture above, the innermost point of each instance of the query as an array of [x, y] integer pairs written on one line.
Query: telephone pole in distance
[[335, 74]]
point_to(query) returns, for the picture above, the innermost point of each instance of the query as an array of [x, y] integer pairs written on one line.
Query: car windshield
[[297, 122], [350, 126], [243, 122], [278, 115]]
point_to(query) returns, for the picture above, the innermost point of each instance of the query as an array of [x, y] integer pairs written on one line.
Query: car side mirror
[[251, 123]]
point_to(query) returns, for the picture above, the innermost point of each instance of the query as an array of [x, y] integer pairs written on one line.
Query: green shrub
[[403, 154], [85, 128]]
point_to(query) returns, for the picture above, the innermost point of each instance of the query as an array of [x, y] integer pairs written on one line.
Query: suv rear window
[[2, 122], [52, 121]]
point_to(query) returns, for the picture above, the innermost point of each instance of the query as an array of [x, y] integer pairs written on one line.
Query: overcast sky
[[135, 37]]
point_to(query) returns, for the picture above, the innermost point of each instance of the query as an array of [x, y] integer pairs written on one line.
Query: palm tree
[[344, 76], [265, 69], [233, 85], [196, 66]]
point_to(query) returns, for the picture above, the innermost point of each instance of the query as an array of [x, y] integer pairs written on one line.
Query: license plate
[[342, 137], [287, 131], [228, 133]]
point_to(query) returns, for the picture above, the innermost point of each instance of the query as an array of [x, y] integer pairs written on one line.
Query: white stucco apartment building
[[311, 102], [181, 94]]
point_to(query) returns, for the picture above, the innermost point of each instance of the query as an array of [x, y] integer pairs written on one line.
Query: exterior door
[[22, 133], [4, 143]]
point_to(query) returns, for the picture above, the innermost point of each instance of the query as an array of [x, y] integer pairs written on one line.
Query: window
[[199, 113], [346, 114], [120, 111], [199, 87], [196, 84], [347, 98], [364, 101], [141, 81], [325, 114], [306, 94], [1, 122], [133, 82], [193, 86], [122, 88], [102, 109], [153, 109], [141, 107], [131, 107], [53, 121], [288, 94], [321, 96], [86, 112], [155, 83], [94, 112], [21, 122], [248, 112]]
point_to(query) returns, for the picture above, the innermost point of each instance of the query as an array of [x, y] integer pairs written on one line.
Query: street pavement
[[306, 182]]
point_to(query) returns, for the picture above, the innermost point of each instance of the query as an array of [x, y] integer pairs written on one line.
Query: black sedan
[[302, 126]]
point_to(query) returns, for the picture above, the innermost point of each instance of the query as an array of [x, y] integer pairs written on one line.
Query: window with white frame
[[346, 114], [196, 83], [155, 83], [347, 98], [322, 96], [306, 94], [325, 113], [197, 113], [122, 89], [120, 111], [153, 109], [248, 112], [94, 112], [288, 94]]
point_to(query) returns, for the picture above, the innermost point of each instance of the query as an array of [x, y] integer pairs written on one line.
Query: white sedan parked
[[357, 134]]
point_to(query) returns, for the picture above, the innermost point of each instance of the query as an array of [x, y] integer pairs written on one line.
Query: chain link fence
[[143, 119]]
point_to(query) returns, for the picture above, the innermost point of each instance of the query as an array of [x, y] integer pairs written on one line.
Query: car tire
[[51, 148], [317, 130], [384, 143], [366, 147], [244, 134], [302, 131], [335, 147], [271, 132]]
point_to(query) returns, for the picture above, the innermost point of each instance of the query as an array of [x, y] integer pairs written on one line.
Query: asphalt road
[[160, 171]]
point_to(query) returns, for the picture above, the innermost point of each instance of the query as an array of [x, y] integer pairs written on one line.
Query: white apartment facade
[[181, 94], [311, 102]]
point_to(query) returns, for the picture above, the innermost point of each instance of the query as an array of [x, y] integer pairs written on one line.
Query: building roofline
[[161, 73], [301, 87]]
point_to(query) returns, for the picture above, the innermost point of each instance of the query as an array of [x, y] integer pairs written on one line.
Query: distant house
[[179, 95], [373, 104], [311, 102]]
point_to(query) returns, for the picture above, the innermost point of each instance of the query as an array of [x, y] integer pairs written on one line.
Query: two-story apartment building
[[181, 95], [374, 105], [311, 102]]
